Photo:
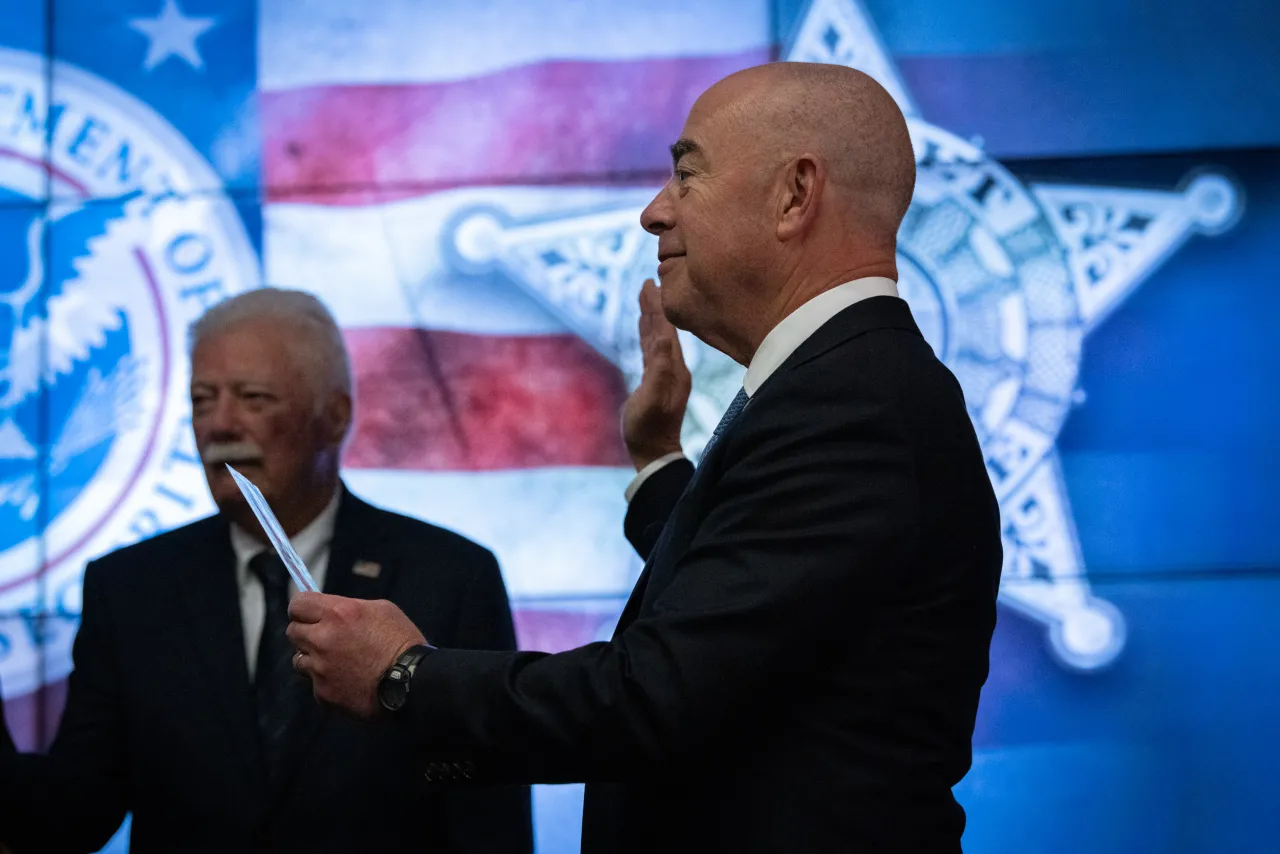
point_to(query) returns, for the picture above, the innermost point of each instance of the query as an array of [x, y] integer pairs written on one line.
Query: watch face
[[393, 691]]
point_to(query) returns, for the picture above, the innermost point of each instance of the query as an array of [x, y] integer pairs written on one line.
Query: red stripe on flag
[[441, 401], [552, 122]]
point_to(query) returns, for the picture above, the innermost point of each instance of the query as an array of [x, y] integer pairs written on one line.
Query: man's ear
[[803, 180], [338, 411]]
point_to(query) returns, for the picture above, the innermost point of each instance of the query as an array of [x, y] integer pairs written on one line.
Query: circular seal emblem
[[115, 237]]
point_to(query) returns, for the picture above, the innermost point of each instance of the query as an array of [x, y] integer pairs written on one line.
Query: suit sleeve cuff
[[649, 471]]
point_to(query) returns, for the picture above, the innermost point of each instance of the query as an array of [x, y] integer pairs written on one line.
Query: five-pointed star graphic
[[172, 34]]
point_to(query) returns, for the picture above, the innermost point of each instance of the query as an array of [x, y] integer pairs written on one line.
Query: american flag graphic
[[476, 408], [347, 138]]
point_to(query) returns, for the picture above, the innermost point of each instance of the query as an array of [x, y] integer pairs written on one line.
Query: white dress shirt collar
[[797, 326]]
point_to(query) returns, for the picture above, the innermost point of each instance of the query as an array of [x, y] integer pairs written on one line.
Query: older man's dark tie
[[275, 685]]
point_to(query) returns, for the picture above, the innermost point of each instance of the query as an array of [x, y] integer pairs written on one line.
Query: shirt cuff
[[648, 472]]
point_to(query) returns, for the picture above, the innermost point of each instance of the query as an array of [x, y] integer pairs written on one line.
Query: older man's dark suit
[[160, 720], [798, 668]]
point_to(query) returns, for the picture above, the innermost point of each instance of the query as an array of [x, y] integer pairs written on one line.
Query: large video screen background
[[460, 181]]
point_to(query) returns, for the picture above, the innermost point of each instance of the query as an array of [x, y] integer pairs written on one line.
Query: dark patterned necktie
[[275, 683], [731, 414], [660, 545]]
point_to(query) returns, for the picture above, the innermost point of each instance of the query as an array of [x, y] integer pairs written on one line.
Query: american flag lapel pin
[[367, 569]]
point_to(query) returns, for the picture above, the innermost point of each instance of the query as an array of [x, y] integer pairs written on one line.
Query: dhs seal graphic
[[1005, 280], [113, 238]]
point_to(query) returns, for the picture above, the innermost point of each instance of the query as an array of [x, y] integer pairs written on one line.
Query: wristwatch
[[393, 687]]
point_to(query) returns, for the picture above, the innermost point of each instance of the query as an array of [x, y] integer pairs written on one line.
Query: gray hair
[[324, 352]]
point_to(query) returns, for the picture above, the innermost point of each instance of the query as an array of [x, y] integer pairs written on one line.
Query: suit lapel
[[673, 539], [356, 544], [682, 523], [632, 609], [210, 596]]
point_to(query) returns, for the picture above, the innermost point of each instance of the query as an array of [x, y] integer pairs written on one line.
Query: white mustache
[[229, 452]]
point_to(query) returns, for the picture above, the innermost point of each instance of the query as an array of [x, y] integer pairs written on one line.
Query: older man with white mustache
[[184, 708]]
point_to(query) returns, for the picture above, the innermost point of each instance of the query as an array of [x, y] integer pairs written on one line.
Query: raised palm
[[653, 414]]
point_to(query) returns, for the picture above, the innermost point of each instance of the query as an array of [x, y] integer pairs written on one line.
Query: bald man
[[798, 667]]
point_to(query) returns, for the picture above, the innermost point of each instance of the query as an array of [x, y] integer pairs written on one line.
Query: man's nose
[[220, 421], [658, 216]]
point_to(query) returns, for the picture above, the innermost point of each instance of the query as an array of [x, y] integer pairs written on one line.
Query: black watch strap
[[393, 687], [410, 658]]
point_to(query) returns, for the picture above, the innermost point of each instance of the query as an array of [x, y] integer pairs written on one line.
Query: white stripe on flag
[[384, 265], [557, 532]]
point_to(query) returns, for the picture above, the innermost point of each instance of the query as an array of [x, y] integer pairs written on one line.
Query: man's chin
[[673, 305], [229, 500], [223, 488], [234, 508]]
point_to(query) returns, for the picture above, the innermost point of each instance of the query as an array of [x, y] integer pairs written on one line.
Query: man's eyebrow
[[681, 148]]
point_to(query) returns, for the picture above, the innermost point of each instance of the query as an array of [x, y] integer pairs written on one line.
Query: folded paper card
[[297, 569]]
